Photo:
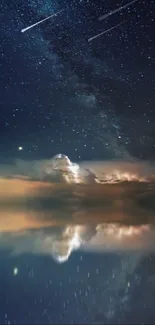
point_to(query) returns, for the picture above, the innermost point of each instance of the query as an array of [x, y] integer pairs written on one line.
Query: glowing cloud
[[56, 206]]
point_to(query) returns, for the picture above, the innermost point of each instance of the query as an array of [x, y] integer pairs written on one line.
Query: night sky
[[89, 100], [60, 93]]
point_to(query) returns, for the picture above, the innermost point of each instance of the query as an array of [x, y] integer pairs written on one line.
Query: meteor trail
[[41, 21], [104, 32], [116, 10]]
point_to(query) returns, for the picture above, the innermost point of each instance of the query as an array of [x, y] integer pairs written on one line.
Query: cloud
[[118, 238], [47, 206], [57, 191], [57, 242], [60, 241]]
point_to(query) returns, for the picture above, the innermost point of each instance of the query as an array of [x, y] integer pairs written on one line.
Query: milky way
[[77, 243], [101, 85]]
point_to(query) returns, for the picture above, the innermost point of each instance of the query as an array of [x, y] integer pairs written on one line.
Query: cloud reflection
[[56, 206]]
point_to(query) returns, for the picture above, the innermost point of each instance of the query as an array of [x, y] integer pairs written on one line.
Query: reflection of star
[[15, 271]]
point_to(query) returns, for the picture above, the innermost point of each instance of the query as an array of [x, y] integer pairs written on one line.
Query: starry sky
[[90, 101], [62, 94]]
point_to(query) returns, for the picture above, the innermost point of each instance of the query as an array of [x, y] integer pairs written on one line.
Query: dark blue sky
[[63, 94]]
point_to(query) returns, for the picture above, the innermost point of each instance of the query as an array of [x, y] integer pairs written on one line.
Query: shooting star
[[104, 32], [41, 21], [117, 10]]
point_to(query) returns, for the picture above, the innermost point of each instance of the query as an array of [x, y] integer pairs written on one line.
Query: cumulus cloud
[[60, 241], [46, 206], [118, 238]]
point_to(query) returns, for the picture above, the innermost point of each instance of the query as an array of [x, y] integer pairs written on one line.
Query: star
[[15, 271]]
